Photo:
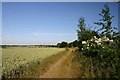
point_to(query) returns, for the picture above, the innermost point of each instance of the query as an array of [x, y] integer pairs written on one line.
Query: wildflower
[[82, 48], [87, 47], [91, 39], [99, 43], [99, 39], [96, 41], [83, 42], [107, 39], [95, 37], [110, 41]]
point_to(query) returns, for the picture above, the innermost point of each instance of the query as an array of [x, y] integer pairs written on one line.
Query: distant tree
[[4, 46], [62, 44], [105, 22], [58, 45], [75, 43], [70, 44]]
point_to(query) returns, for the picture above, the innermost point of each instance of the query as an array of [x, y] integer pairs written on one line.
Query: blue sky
[[48, 22], [59, 0], [0, 23]]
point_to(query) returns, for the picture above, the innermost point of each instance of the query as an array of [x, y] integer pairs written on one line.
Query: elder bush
[[105, 58]]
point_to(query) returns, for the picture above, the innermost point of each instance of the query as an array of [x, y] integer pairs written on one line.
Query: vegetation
[[66, 45], [30, 46], [23, 58], [84, 33], [98, 54], [101, 55], [105, 22], [73, 44], [62, 44]]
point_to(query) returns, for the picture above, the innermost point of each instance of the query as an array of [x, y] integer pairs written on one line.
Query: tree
[[58, 45], [70, 44], [62, 44], [73, 44], [81, 30], [105, 22], [84, 33]]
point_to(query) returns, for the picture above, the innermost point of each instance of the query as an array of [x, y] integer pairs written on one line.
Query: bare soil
[[65, 67]]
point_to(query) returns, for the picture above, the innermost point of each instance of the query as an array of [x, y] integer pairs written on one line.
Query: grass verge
[[39, 68]]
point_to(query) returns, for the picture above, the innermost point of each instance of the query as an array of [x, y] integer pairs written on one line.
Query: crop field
[[16, 58]]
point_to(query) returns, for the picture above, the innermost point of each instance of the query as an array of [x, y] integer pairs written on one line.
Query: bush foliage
[[103, 57]]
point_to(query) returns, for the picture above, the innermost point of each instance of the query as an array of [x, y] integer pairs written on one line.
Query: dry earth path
[[63, 68]]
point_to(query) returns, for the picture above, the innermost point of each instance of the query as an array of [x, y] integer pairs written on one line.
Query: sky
[[48, 22], [119, 17], [0, 23], [59, 0]]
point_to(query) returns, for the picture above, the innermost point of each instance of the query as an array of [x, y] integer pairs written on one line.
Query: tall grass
[[16, 60]]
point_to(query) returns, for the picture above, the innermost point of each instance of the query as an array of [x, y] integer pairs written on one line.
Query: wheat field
[[15, 58]]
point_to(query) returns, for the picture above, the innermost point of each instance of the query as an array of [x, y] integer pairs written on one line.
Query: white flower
[[95, 37], [87, 47], [82, 48], [91, 40], [96, 41], [110, 41], [99, 43], [99, 39], [104, 38], [83, 42], [107, 39]]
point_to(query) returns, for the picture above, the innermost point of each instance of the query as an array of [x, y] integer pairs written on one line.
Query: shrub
[[105, 58]]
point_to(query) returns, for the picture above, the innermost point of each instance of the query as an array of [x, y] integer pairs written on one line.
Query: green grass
[[16, 58]]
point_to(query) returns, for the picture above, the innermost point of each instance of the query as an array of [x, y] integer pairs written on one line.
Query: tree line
[[67, 45]]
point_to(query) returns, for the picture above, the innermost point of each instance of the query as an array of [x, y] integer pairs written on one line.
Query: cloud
[[53, 34]]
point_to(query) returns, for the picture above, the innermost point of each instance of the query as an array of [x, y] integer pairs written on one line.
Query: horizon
[[48, 23]]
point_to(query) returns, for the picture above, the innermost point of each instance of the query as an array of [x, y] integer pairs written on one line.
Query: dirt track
[[62, 68]]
